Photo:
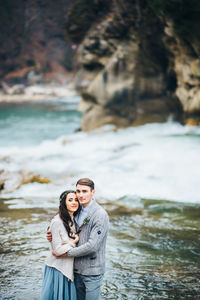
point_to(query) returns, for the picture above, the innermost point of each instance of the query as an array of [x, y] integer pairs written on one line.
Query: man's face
[[84, 194]]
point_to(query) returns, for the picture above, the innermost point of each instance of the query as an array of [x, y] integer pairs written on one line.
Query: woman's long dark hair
[[64, 214]]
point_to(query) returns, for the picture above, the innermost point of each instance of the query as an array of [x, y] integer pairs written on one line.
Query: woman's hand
[[49, 236]]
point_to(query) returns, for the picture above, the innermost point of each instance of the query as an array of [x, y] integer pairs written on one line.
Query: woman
[[58, 275]]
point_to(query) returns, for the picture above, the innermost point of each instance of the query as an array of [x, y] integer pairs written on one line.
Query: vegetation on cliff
[[32, 38]]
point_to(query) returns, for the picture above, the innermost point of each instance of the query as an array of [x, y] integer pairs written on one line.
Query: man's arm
[[97, 234]]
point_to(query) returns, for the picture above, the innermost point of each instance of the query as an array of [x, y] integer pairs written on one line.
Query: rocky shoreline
[[37, 92]]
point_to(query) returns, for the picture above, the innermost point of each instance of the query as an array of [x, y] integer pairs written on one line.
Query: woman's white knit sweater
[[61, 243]]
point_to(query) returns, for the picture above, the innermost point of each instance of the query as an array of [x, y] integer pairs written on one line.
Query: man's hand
[[63, 255], [76, 239], [49, 236]]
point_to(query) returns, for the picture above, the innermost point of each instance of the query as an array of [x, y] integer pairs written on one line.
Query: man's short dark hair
[[86, 181]]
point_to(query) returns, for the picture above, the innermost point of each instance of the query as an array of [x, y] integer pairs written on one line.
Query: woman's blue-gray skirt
[[56, 286]]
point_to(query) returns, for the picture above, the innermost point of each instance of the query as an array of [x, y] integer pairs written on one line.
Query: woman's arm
[[58, 247]]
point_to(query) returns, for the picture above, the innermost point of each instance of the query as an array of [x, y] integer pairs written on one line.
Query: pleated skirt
[[56, 286]]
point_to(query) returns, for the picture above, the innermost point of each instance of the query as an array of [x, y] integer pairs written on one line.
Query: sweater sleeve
[[97, 234], [58, 246]]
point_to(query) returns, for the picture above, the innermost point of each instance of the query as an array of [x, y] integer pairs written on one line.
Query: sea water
[[147, 178]]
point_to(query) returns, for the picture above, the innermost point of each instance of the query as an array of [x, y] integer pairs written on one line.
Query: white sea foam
[[159, 161]]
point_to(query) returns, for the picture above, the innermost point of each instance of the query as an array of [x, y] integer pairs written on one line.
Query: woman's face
[[72, 203]]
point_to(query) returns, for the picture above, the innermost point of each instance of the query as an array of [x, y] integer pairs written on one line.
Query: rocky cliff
[[138, 61]]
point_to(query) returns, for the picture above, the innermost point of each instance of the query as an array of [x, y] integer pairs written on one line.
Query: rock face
[[186, 64], [32, 37], [137, 65]]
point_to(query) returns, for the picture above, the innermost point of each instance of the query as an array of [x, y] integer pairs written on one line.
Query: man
[[89, 263]]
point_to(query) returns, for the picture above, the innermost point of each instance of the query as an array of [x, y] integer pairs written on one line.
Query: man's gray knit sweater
[[90, 251]]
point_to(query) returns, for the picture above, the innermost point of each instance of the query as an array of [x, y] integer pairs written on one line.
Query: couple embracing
[[78, 232]]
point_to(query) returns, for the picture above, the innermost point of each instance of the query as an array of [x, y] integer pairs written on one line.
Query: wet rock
[[33, 77], [30, 178], [13, 90], [5, 159], [192, 122], [11, 181], [1, 185], [97, 116]]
